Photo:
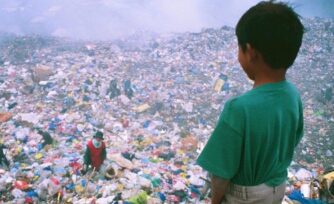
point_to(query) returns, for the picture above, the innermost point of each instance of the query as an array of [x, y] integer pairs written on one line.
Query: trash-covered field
[[155, 97]]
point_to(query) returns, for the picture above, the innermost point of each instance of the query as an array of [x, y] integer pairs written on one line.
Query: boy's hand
[[84, 169]]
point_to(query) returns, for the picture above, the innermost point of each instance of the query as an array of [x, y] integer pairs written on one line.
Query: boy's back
[[256, 136]]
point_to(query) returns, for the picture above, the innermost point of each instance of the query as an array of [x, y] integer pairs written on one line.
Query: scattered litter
[[157, 104]]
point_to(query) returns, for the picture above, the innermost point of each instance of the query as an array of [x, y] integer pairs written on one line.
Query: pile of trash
[[156, 101]]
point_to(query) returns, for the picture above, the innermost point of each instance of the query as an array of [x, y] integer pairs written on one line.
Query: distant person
[[3, 159], [253, 142], [47, 139], [113, 89], [128, 89], [95, 152]]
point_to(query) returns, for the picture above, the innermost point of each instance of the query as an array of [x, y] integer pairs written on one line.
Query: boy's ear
[[251, 52]]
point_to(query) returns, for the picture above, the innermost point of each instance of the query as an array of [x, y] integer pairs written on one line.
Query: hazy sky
[[107, 19]]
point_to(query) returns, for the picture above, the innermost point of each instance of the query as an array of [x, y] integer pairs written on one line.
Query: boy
[[95, 152], [252, 145]]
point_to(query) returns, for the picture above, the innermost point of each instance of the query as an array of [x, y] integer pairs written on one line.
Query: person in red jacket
[[95, 152]]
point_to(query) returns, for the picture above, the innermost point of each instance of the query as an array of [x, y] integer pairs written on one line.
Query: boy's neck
[[269, 75]]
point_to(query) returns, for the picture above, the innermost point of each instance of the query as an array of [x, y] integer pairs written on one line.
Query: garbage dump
[[156, 105]]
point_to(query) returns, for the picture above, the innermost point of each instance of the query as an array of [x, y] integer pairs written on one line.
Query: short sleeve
[[300, 129], [221, 155]]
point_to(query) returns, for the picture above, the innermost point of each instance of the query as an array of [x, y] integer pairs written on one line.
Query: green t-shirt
[[255, 137]]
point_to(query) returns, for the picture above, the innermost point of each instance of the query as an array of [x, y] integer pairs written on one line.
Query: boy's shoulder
[[255, 95], [239, 100]]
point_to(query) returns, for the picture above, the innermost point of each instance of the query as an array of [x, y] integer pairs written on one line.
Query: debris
[[157, 104]]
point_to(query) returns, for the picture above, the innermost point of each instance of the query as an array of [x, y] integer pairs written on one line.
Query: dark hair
[[98, 134], [274, 30]]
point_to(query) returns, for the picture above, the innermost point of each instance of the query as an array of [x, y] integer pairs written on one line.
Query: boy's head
[[98, 135], [272, 29]]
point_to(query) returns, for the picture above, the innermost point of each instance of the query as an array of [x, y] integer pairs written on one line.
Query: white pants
[[260, 194]]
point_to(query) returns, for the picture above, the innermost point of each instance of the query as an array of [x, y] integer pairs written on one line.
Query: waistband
[[245, 191]]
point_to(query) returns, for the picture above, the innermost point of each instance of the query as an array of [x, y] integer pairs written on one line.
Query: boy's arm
[[104, 153], [218, 189], [87, 157], [300, 130]]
